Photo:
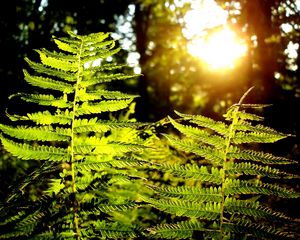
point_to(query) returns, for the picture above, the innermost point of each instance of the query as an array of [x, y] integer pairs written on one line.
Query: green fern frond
[[97, 125], [114, 230], [257, 230], [46, 118], [211, 194], [236, 186], [248, 127], [206, 122], [193, 171], [54, 73], [41, 133], [180, 230], [103, 106], [253, 137], [100, 94], [246, 168], [29, 152], [48, 83], [96, 159], [44, 100], [207, 152], [224, 152], [199, 135], [253, 209], [242, 115], [209, 210], [58, 62], [257, 156]]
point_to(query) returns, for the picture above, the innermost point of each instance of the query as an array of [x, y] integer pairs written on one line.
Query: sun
[[219, 49]]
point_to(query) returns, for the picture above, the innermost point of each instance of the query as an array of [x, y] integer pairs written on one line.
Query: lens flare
[[221, 49]]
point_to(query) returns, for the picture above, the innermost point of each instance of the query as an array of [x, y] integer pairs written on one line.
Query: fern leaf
[[253, 137], [46, 118], [48, 83], [103, 106], [28, 152], [254, 209], [58, 61], [258, 230], [206, 122], [44, 133], [209, 210], [235, 186], [257, 156], [44, 100], [180, 230], [247, 127], [100, 55], [114, 230], [195, 172], [54, 73], [199, 135], [246, 168], [95, 125], [209, 153], [242, 115], [211, 194], [100, 94], [65, 46]]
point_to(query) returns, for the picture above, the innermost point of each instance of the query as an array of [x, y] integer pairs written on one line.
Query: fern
[[90, 155], [220, 198]]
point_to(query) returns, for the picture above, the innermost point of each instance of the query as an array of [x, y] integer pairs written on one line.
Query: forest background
[[155, 41]]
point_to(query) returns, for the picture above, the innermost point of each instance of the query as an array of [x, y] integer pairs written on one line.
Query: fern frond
[[249, 208], [257, 230], [180, 230], [66, 46], [257, 156], [242, 115], [46, 118], [199, 134], [103, 106], [45, 100], [96, 125], [206, 122], [246, 168], [100, 94], [207, 152], [195, 172], [253, 137], [211, 194], [48, 83], [209, 210], [43, 133], [236, 186], [55, 73], [248, 127], [58, 61], [114, 230], [29, 152]]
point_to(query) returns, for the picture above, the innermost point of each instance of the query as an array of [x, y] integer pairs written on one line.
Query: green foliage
[[223, 187], [89, 174]]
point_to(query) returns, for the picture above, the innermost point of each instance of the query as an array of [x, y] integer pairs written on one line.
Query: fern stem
[[74, 190], [223, 173], [231, 135]]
